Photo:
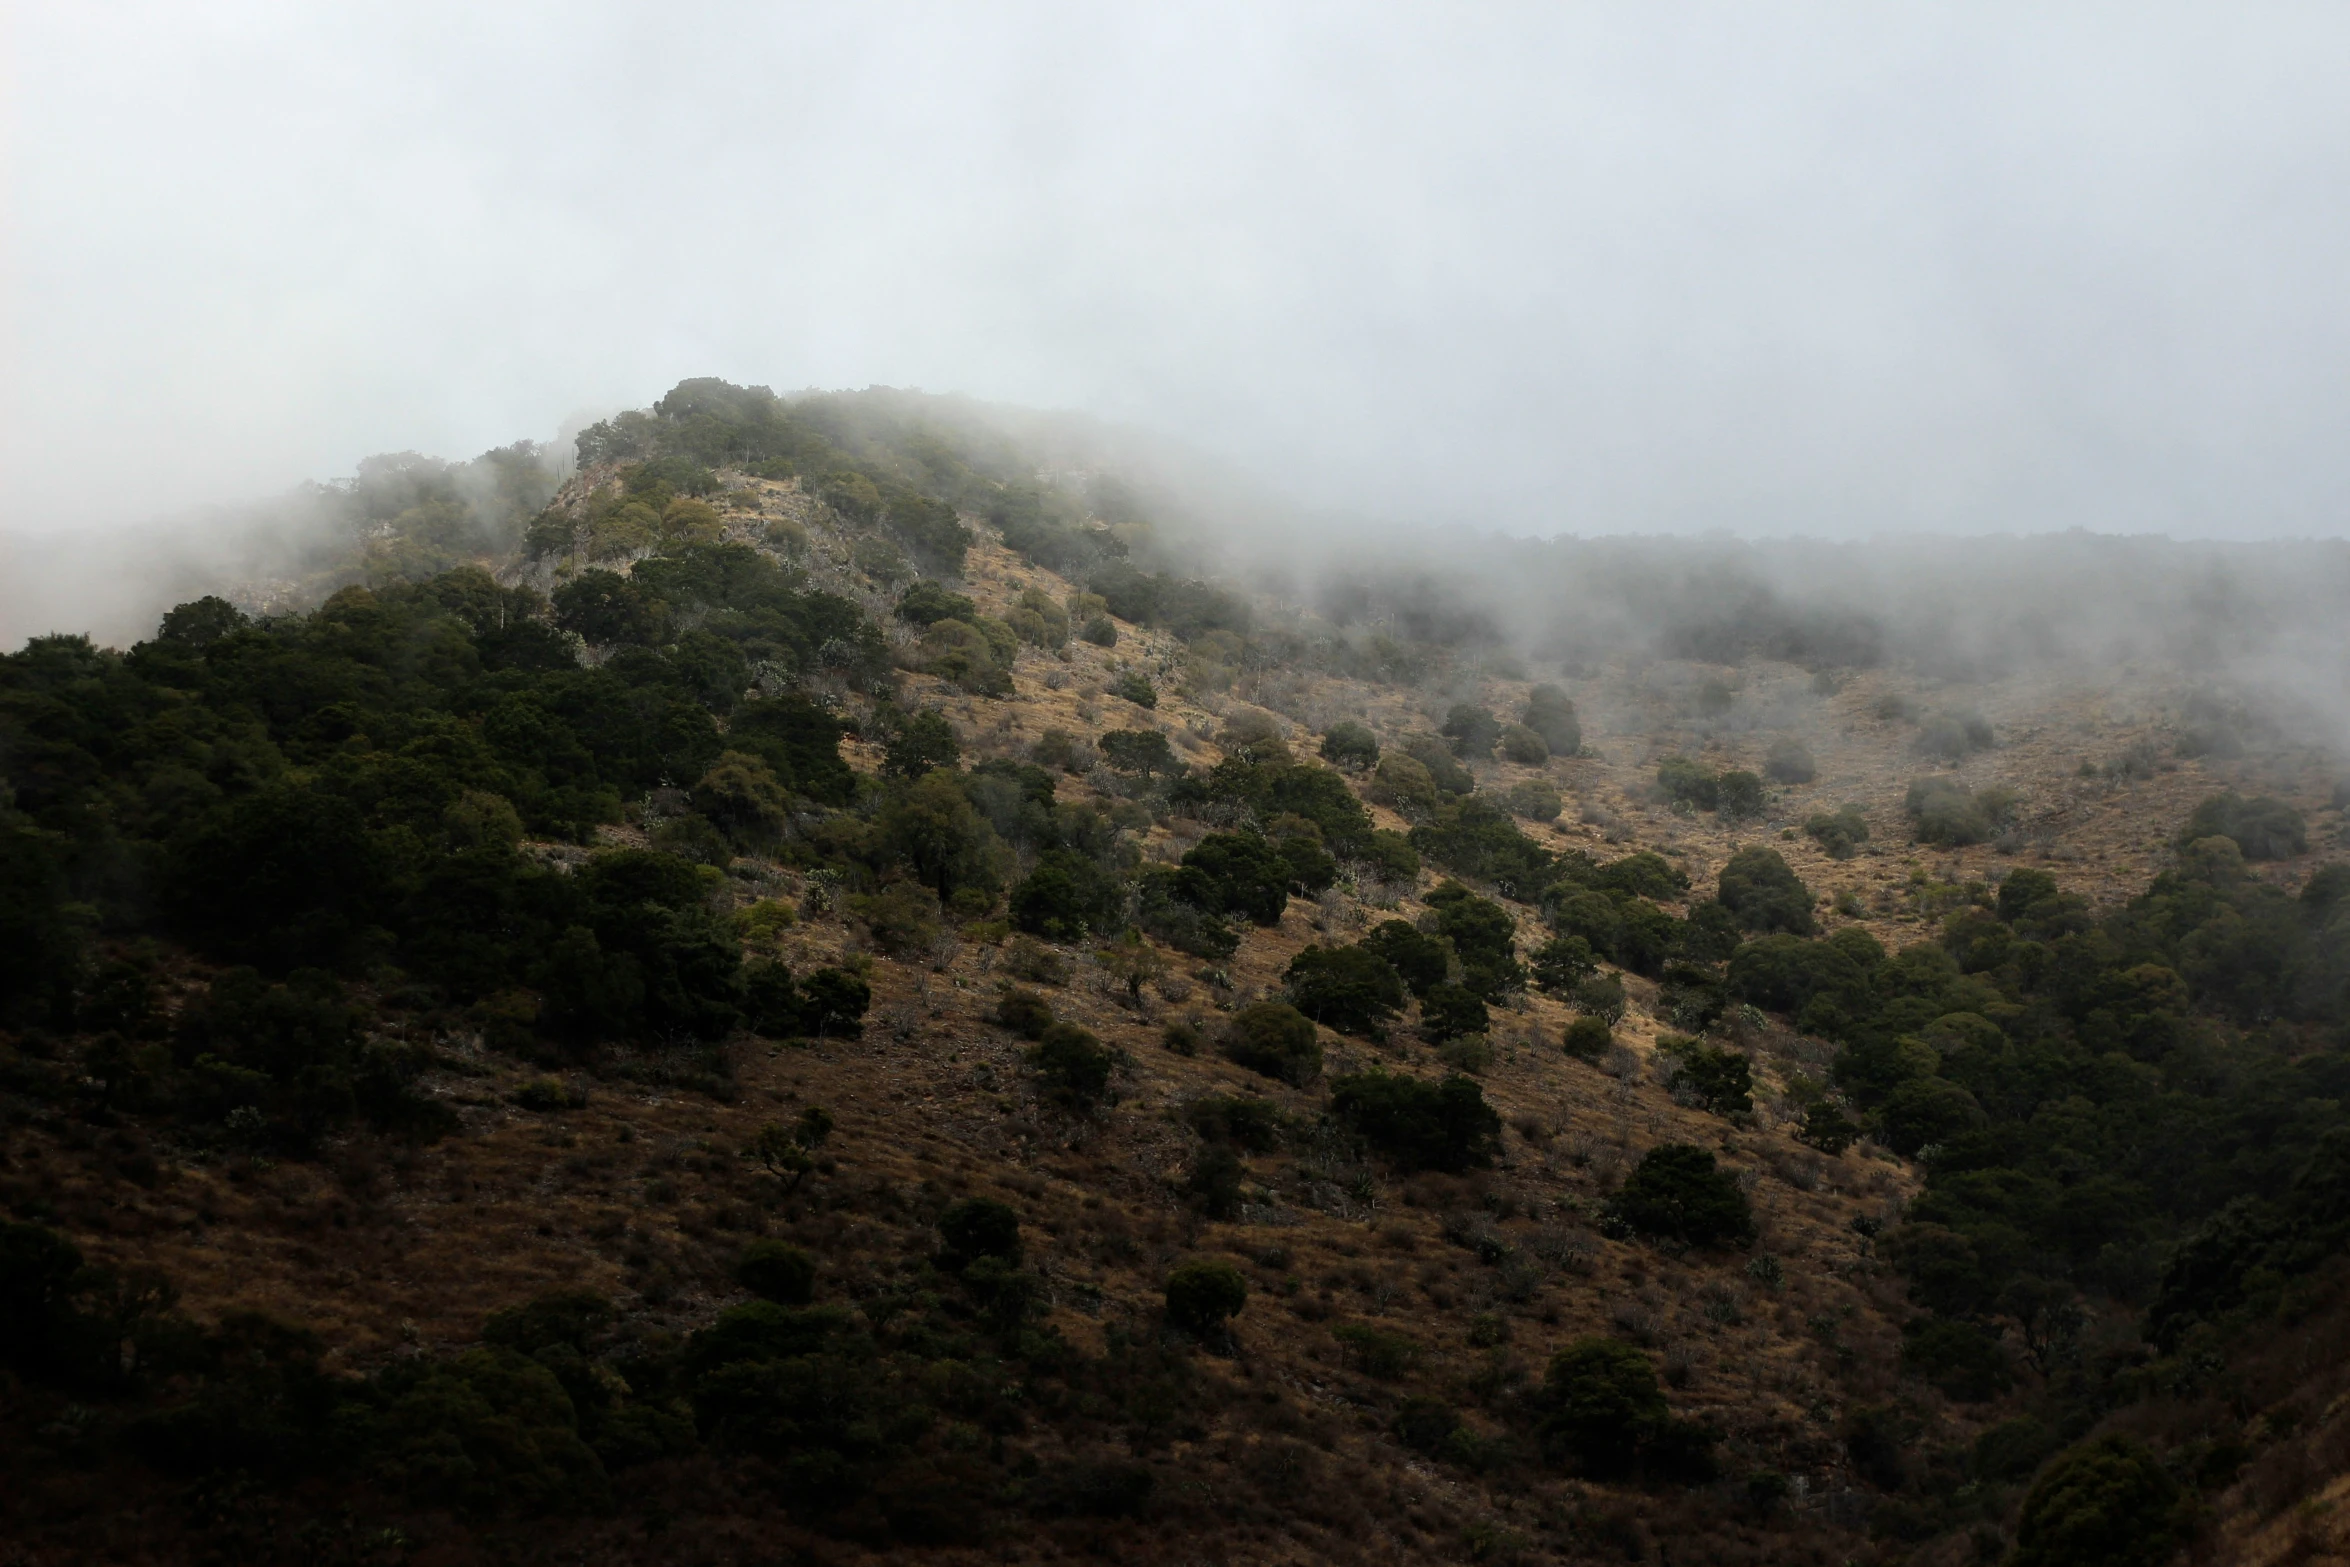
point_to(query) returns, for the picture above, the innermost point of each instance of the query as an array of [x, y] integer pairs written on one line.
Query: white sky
[[1771, 269]]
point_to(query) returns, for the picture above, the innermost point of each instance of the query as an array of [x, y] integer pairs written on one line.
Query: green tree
[[1549, 714], [1763, 894], [1602, 1411], [1349, 989], [1676, 1193], [1143, 751], [1421, 1125], [1350, 746], [979, 1227], [777, 1271], [1204, 1294], [924, 743], [1275, 1039], [1472, 731], [1420, 959], [2105, 1503], [1073, 1065]]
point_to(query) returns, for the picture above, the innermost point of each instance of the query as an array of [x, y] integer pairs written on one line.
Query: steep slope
[[515, 1030]]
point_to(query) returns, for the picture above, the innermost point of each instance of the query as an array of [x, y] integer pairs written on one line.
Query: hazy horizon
[[1832, 271]]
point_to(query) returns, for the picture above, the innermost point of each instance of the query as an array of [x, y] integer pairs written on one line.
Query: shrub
[[1603, 1411], [1350, 989], [1826, 1127], [979, 1227], [1840, 833], [1926, 1110], [1685, 782], [1073, 1065], [1350, 746], [1253, 1124], [1790, 762], [1203, 1295], [1067, 896], [1563, 962], [1143, 751], [1535, 800], [1024, 1012], [1525, 747], [1738, 795], [1404, 785], [1449, 1011], [1952, 737], [901, 917], [1134, 686], [1444, 769], [1764, 895], [1421, 959], [1275, 1040], [923, 742], [1214, 1181], [1421, 1125], [2262, 828], [1676, 1193], [777, 1271], [1038, 619], [1961, 1358], [1720, 1080], [1236, 873], [1472, 730], [1376, 1352], [1588, 1039], [1942, 813], [1101, 631], [742, 798], [1549, 714], [1391, 857], [1643, 875], [926, 604], [2106, 1503], [1601, 996]]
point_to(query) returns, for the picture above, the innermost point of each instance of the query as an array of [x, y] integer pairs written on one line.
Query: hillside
[[419, 1008]]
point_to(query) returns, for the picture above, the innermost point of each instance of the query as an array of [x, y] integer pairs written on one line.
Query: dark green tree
[[1676, 1193]]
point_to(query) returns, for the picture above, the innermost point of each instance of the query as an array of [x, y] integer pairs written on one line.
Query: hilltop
[[541, 1054]]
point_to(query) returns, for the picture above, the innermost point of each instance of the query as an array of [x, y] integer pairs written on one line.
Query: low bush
[[1562, 963], [1717, 1079], [1074, 1065], [1763, 895], [1790, 762], [1602, 1411], [2106, 1503], [1350, 746], [1421, 1125], [1588, 1039], [1676, 1193], [1840, 833], [1944, 814], [1024, 1012], [1351, 989], [1472, 731], [1535, 800], [777, 1271], [1204, 1294], [1134, 686], [979, 1227], [1549, 714], [1275, 1040], [1684, 782], [2261, 828], [1524, 746]]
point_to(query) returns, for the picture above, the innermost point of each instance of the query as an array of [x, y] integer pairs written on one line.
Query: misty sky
[[1773, 269]]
